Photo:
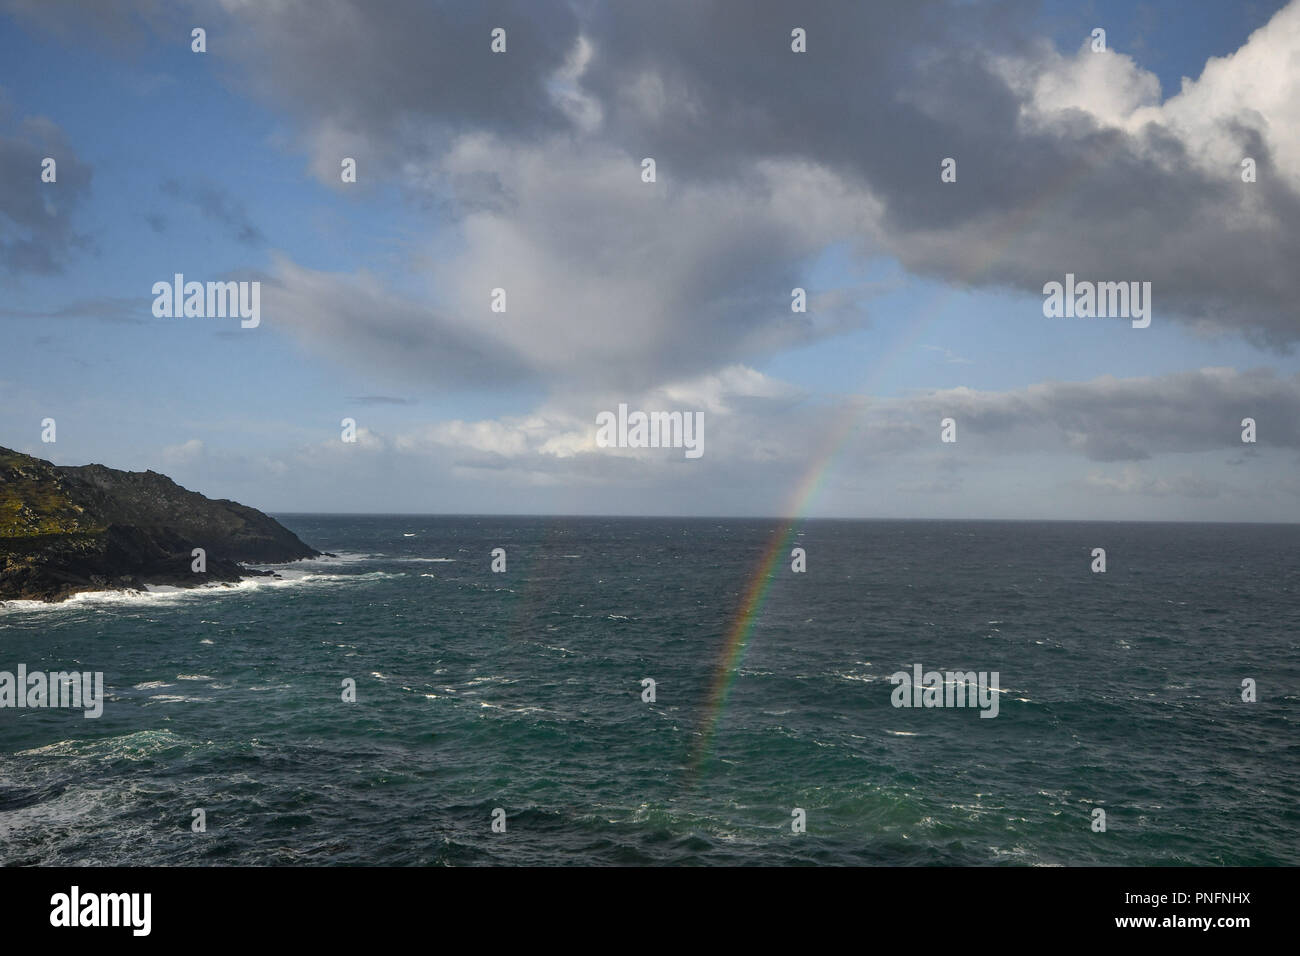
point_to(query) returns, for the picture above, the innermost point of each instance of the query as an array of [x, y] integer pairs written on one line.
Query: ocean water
[[522, 690]]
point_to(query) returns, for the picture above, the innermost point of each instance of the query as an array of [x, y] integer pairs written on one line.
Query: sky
[[774, 169]]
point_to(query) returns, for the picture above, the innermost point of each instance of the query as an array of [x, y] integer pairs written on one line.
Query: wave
[[167, 594], [133, 746], [864, 678]]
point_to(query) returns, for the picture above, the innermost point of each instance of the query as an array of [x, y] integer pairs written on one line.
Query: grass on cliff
[[32, 500]]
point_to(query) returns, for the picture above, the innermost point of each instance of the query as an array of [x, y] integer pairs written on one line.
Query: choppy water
[[522, 691]]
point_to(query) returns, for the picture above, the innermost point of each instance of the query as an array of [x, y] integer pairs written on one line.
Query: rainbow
[[741, 629], [751, 605]]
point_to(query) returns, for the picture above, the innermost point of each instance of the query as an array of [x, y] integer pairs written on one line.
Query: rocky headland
[[64, 530]]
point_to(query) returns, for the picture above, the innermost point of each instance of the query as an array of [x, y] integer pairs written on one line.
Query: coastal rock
[[92, 528]]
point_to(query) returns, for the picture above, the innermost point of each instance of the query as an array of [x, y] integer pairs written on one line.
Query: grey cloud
[[1106, 420], [892, 464], [1132, 483], [216, 204], [885, 92], [127, 27], [1029, 204], [36, 231], [379, 400], [106, 308], [608, 280], [711, 90], [358, 323], [384, 77], [1111, 419]]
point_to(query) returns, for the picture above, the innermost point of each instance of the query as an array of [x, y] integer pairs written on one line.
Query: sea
[[504, 717]]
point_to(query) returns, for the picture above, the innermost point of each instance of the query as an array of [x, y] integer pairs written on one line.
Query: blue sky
[[219, 165]]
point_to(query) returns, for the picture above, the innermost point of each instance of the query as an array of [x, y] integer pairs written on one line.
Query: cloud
[[1132, 482], [949, 356], [671, 294], [379, 400], [1037, 451], [1150, 190], [1067, 161], [186, 453], [108, 308], [614, 279], [752, 419], [557, 441], [126, 28], [418, 73], [1112, 419], [214, 203], [357, 321], [37, 236], [607, 279]]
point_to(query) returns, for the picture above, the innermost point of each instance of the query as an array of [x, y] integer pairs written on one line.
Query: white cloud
[[182, 454]]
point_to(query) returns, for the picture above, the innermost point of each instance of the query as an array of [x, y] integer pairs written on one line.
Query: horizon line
[[774, 518]]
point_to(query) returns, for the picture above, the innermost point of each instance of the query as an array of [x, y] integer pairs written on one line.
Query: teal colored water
[[522, 690]]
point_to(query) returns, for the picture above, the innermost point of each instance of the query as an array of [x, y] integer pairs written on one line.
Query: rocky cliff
[[91, 528]]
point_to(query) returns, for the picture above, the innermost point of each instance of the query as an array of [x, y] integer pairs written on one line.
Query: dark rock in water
[[91, 528]]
